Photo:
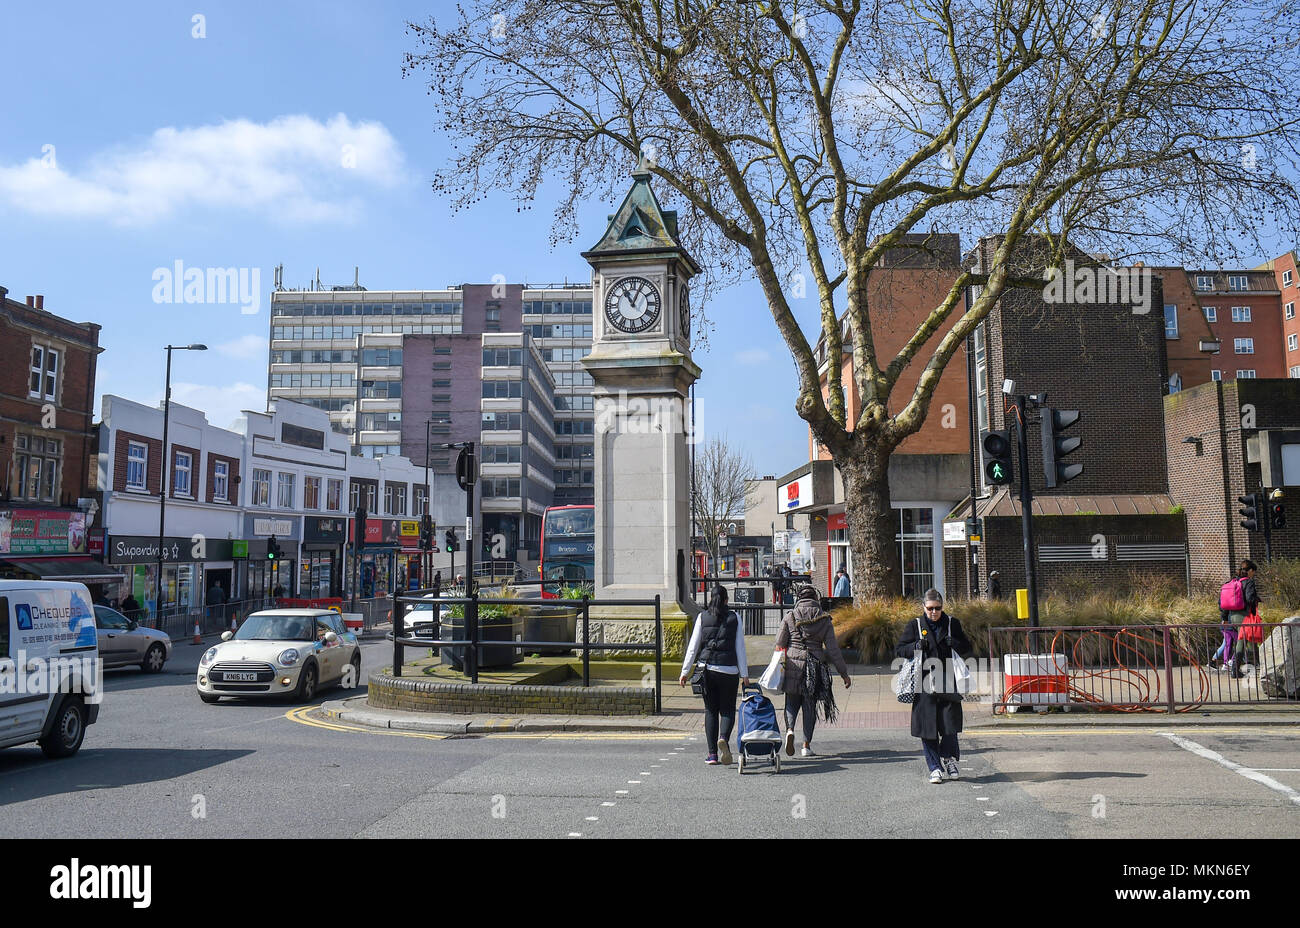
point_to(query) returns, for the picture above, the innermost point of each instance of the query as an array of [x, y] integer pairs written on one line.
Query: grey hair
[[932, 595]]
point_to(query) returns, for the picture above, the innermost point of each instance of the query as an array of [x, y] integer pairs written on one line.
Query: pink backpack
[[1230, 596]]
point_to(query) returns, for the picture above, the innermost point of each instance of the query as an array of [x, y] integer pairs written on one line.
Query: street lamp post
[[166, 466]]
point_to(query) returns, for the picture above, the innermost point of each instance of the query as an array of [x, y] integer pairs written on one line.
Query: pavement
[[867, 704]]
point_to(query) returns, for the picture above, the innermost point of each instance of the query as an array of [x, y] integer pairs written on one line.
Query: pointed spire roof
[[640, 226]]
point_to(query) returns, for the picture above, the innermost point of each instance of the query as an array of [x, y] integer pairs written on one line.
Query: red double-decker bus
[[568, 548]]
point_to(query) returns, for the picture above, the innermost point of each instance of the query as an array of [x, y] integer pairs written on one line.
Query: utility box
[[1035, 680]]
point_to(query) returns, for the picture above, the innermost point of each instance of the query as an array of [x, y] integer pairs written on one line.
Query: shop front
[[320, 570], [51, 544], [391, 552], [266, 577], [185, 569]]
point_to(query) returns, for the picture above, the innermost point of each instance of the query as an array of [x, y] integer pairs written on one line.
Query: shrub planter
[[503, 629], [551, 623]]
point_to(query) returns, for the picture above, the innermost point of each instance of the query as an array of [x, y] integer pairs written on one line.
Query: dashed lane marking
[[979, 733]]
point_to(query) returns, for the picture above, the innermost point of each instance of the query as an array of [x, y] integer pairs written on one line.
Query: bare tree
[[819, 134], [722, 480]]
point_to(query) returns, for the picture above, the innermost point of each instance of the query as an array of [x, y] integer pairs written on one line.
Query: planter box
[[490, 655], [551, 624]]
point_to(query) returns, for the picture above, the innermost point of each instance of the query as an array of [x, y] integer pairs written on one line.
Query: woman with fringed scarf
[[808, 639]]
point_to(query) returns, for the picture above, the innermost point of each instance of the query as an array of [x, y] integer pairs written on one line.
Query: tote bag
[[907, 681], [773, 677]]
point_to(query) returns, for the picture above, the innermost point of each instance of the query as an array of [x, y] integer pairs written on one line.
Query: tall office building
[[399, 370]]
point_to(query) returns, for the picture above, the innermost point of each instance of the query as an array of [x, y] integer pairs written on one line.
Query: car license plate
[[245, 677]]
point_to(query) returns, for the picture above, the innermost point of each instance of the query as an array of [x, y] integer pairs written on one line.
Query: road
[[162, 764]]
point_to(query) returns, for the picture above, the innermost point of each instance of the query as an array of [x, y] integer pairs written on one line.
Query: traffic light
[[1056, 447], [451, 540], [427, 531], [997, 450], [273, 549], [1251, 504], [1277, 511]]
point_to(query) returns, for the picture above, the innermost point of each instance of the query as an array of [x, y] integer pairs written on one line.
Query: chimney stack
[[40, 301], [31, 301]]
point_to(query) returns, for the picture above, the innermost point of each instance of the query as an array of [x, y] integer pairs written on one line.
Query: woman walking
[[808, 639], [936, 708], [717, 648], [1238, 598]]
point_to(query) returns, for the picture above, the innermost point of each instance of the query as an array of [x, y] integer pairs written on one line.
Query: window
[[44, 373], [221, 481], [137, 457], [501, 454], [395, 499], [1171, 320], [442, 365], [381, 357], [442, 351], [381, 389], [419, 499], [440, 418], [284, 491], [497, 421], [37, 462], [181, 474], [1175, 382], [261, 494], [1246, 375], [1211, 313], [1237, 282], [441, 384], [1286, 278], [1241, 314], [1289, 310], [500, 486], [503, 357], [1291, 342], [1294, 372], [1204, 282], [1216, 375], [333, 495], [1244, 345], [501, 389], [310, 492]]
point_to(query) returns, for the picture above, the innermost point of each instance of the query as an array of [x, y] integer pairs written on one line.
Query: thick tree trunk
[[873, 525]]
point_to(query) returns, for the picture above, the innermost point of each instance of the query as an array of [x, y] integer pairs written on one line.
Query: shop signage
[[42, 531], [95, 544], [324, 530], [239, 548], [954, 531], [836, 522], [141, 549], [798, 494], [390, 531], [272, 527]]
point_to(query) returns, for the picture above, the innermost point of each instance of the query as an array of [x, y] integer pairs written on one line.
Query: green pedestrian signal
[[996, 449]]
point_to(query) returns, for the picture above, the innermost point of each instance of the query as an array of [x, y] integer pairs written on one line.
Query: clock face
[[684, 309], [632, 305]]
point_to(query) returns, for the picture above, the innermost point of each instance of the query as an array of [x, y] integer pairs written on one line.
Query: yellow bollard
[[1022, 604]]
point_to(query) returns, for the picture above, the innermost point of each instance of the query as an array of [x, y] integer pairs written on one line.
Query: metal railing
[[474, 643], [179, 621], [1168, 668], [755, 615]]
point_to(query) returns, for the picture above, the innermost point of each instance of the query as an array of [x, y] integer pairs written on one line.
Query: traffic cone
[[234, 625], [198, 635]]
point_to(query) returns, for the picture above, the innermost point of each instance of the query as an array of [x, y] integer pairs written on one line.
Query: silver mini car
[[281, 652], [124, 641]]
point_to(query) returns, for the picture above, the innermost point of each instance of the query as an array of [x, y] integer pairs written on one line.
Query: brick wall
[[22, 327], [388, 692], [153, 464], [232, 481], [1196, 477]]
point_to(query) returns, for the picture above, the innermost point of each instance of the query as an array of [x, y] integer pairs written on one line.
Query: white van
[[50, 672]]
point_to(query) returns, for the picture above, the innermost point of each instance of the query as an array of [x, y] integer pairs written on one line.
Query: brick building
[[1286, 274], [1227, 439], [47, 391], [1109, 361], [930, 470]]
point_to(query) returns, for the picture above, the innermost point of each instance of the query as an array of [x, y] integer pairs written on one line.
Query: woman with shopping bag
[[716, 654], [936, 702], [808, 639]]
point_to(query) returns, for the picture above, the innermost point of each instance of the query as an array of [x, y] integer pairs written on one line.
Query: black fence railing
[[468, 650], [1170, 668]]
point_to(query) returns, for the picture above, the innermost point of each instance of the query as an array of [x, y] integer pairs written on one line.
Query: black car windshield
[[277, 628]]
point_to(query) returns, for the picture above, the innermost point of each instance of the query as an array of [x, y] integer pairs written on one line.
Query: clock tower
[[641, 364]]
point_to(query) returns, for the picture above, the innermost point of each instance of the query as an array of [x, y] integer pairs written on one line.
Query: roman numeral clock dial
[[632, 305]]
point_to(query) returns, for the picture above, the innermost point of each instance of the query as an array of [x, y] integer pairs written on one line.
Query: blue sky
[[285, 135]]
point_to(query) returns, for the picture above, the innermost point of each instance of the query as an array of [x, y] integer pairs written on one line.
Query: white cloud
[[753, 356], [224, 404], [294, 168], [245, 348]]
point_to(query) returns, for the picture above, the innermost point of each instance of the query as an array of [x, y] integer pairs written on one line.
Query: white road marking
[[575, 834], [1278, 769], [1247, 772], [990, 814], [644, 773], [633, 782], [592, 818], [620, 792], [981, 798], [607, 803]]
